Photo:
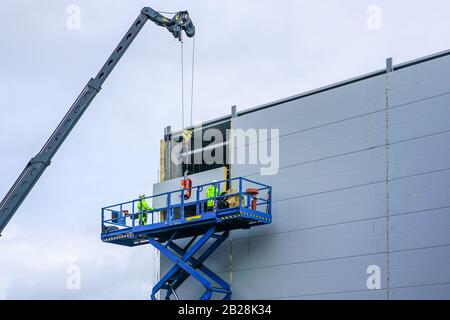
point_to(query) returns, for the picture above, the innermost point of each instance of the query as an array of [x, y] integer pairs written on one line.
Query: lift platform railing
[[172, 208], [202, 214]]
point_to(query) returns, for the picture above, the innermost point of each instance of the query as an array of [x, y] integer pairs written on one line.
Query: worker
[[211, 193], [143, 209], [222, 202], [232, 197]]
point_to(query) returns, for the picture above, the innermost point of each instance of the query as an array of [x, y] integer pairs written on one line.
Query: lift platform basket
[[237, 203]]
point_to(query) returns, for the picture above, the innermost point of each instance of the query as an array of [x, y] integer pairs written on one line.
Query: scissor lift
[[175, 218]]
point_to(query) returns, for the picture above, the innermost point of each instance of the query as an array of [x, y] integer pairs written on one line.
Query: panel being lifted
[[244, 204]]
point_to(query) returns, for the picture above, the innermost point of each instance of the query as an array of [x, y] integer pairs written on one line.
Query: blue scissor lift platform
[[246, 205]]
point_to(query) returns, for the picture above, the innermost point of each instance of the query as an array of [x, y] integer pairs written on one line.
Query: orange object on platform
[[253, 192], [187, 184]]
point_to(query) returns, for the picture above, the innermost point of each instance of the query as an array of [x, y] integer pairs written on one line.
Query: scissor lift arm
[[37, 165]]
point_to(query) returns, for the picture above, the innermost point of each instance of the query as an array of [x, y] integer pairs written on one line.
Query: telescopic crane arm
[[35, 168]]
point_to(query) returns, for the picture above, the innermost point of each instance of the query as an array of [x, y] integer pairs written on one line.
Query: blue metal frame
[[186, 265], [124, 216], [123, 230]]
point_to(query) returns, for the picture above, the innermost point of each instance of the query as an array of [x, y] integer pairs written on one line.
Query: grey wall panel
[[421, 267], [321, 143], [419, 201], [421, 192], [305, 279], [325, 209], [324, 108], [434, 292], [374, 294], [420, 81], [421, 155], [328, 175], [420, 230], [344, 240], [420, 118]]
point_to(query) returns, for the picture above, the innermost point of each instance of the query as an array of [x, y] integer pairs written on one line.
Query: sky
[[247, 53]]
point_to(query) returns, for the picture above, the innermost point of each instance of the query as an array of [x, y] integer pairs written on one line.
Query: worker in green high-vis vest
[[143, 210], [211, 192]]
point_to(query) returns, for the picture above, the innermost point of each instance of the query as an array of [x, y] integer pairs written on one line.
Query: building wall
[[364, 180], [329, 198], [419, 180]]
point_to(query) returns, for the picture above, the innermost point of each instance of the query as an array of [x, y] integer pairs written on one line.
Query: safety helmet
[[142, 196]]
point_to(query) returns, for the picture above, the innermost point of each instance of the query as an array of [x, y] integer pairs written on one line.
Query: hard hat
[[142, 196], [214, 181]]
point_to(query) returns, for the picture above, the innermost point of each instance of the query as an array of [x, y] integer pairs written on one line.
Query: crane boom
[[36, 166]]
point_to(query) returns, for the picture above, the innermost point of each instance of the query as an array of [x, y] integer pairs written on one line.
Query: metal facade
[[364, 180]]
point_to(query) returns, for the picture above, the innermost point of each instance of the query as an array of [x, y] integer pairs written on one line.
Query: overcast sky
[[247, 53]]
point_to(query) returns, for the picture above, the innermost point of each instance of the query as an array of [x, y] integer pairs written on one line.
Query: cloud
[[248, 53], [38, 268]]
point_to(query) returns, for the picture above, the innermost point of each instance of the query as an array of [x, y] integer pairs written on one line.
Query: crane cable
[[182, 85], [192, 83], [182, 75], [192, 77]]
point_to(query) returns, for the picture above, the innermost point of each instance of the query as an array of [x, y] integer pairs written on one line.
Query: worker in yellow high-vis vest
[[211, 193], [143, 210]]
